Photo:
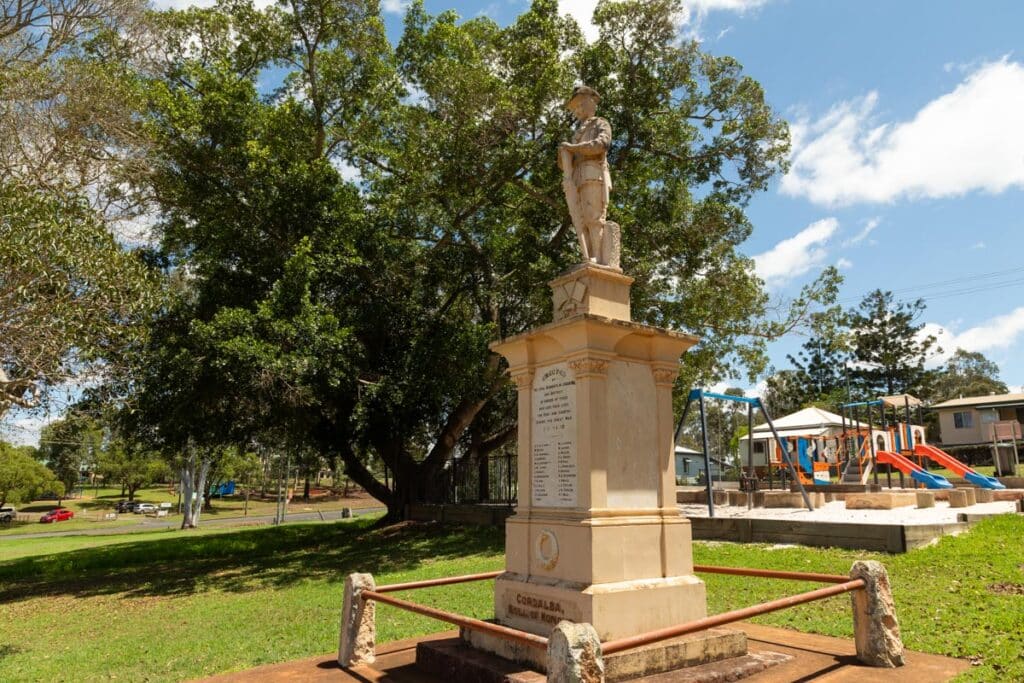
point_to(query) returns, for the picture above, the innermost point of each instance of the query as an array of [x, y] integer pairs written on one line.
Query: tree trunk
[[204, 471], [305, 490], [483, 473], [193, 481], [187, 482]]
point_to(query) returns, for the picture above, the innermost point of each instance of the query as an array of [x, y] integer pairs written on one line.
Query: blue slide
[[932, 481]]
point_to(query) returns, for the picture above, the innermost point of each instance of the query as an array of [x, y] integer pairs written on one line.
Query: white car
[[143, 508]]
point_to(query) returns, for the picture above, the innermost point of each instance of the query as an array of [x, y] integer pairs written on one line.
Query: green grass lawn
[[169, 605]]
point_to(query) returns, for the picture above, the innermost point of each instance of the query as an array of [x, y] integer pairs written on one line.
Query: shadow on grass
[[240, 561]]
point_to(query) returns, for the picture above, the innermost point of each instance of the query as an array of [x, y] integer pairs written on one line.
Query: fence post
[[574, 654], [876, 631], [358, 623]]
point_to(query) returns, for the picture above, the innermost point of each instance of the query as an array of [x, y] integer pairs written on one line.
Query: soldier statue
[[587, 181]]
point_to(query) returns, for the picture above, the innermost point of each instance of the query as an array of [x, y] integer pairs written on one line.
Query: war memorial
[[599, 581]]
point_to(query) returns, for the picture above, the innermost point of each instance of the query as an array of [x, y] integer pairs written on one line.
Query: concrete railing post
[[574, 654], [358, 623], [875, 628]]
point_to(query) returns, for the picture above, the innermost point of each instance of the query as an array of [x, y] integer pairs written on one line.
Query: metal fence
[[487, 480]]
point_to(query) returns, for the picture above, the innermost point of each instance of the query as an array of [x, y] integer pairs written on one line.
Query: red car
[[58, 515]]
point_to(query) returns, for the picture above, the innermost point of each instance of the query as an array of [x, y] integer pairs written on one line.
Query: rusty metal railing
[[841, 584], [771, 574], [497, 630], [446, 581], [613, 646]]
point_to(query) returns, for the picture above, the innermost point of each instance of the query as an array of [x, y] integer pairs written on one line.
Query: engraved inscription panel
[[554, 437], [540, 608]]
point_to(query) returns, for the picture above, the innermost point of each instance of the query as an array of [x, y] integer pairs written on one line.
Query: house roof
[[809, 422], [683, 450], [982, 401]]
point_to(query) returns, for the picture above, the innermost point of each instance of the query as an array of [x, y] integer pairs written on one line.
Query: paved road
[[152, 524]]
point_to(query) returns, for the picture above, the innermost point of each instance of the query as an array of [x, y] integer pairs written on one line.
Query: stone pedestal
[[596, 537]]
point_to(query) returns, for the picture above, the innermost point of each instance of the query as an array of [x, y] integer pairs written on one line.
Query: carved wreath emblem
[[568, 298]]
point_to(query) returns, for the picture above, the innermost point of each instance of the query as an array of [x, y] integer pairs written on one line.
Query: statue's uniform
[[590, 172]]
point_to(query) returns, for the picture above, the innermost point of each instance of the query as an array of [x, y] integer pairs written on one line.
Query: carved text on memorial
[[553, 474]]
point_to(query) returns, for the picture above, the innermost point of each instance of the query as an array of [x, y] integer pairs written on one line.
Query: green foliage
[[72, 297], [131, 467], [71, 446], [22, 477], [357, 319], [967, 373], [887, 345]]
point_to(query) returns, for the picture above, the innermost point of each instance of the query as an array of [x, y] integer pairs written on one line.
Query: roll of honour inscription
[[554, 437]]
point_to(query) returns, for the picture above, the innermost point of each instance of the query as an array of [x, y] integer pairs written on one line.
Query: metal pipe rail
[[511, 634], [446, 581], [613, 646], [771, 574], [842, 584]]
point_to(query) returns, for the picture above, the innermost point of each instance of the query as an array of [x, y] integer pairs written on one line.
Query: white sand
[[836, 512]]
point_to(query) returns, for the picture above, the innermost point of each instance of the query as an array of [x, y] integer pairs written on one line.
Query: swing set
[[749, 480]]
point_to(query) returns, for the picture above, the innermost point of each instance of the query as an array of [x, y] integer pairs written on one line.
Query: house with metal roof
[[970, 421]]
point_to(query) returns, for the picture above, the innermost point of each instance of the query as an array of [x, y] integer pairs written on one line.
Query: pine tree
[[889, 348]]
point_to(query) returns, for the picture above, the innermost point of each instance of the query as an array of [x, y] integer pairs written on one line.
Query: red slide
[[953, 465], [932, 481]]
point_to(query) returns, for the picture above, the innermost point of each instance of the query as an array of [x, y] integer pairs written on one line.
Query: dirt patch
[[1007, 588]]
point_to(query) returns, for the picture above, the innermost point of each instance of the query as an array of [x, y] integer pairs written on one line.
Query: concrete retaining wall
[[890, 538], [477, 515]]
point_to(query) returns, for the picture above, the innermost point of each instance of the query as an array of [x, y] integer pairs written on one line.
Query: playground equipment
[[932, 481], [961, 470], [863, 447], [861, 442], [700, 395]]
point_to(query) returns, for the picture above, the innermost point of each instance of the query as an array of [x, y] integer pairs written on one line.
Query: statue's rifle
[[572, 198]]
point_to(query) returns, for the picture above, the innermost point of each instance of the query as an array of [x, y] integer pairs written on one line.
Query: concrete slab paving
[[815, 657]]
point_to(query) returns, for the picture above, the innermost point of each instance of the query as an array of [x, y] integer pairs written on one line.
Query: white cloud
[[394, 6], [844, 264], [583, 11], [862, 235], [347, 171], [996, 334], [796, 255], [978, 245], [966, 140], [737, 6]]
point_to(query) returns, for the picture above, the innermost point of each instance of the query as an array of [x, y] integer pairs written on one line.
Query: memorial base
[[615, 610], [713, 645]]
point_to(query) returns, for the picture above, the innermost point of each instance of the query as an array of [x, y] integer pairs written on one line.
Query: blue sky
[[908, 159]]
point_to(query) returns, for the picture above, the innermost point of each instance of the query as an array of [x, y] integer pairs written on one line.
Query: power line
[[955, 281], [975, 290]]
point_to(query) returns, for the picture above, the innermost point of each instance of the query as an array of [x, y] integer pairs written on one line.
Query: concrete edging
[[890, 538]]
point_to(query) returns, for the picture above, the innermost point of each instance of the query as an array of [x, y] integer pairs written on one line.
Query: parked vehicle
[[125, 505], [143, 508], [56, 515], [7, 515]]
